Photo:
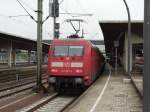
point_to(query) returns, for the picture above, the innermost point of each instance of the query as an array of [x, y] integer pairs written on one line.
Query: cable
[[49, 14], [3, 15], [16, 20], [17, 16], [26, 10], [9, 17], [78, 14], [66, 12], [46, 18], [28, 5]]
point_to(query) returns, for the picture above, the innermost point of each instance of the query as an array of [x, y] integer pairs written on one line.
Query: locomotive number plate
[[67, 64]]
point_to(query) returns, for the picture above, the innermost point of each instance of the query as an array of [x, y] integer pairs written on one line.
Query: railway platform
[[5, 68], [18, 73], [138, 82], [110, 93]]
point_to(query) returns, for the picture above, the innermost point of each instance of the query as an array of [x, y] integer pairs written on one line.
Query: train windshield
[[68, 50], [61, 51], [75, 50]]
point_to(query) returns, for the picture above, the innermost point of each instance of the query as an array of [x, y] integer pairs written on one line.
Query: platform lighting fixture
[[129, 36]]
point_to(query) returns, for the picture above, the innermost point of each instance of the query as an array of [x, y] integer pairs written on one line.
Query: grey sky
[[101, 10]]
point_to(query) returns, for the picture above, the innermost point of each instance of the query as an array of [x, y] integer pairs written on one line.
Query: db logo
[[67, 64]]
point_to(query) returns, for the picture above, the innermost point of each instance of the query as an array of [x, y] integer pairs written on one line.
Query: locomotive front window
[[61, 51], [68, 50], [75, 50]]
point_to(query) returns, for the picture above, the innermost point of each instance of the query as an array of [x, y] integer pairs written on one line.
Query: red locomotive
[[74, 63]]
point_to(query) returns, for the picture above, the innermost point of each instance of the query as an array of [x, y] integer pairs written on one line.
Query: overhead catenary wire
[[49, 14], [26, 10], [28, 5], [66, 12], [16, 20], [79, 14], [71, 14], [18, 16]]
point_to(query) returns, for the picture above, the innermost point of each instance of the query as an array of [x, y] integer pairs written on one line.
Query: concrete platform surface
[[109, 95], [138, 80]]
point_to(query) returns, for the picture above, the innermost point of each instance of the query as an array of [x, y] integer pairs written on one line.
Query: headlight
[[54, 70], [57, 64], [78, 80], [77, 64], [79, 71], [52, 79]]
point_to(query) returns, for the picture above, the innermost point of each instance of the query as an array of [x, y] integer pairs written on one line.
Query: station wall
[[135, 39]]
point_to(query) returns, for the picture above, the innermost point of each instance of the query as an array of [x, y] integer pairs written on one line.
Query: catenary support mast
[[146, 94], [39, 44]]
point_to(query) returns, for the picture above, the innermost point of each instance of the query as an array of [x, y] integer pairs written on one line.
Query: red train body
[[73, 63]]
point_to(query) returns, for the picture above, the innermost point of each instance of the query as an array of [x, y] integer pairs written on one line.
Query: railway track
[[17, 84], [18, 73], [54, 103], [17, 89]]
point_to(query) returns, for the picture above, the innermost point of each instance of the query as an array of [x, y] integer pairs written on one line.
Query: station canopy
[[116, 30]]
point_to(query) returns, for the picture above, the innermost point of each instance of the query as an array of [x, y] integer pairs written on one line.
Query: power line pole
[[146, 82], [54, 23], [39, 44], [54, 13], [54, 18]]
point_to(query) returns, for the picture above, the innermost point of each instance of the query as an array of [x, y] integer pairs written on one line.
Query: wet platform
[[109, 94]]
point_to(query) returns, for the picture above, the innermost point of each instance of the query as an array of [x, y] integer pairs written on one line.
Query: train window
[[68, 50], [61, 51], [75, 50]]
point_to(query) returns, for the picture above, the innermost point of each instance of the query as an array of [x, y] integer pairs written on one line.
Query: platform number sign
[[116, 43]]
